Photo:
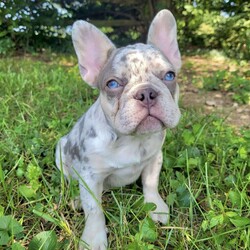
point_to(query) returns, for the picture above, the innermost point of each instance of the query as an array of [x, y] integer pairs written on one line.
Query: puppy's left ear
[[163, 35]]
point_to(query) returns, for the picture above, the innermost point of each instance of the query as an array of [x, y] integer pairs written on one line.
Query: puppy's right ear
[[163, 35], [92, 49]]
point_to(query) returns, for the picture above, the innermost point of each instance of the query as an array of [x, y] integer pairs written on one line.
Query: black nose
[[147, 96]]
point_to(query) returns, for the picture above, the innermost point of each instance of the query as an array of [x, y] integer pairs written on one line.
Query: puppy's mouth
[[150, 124]]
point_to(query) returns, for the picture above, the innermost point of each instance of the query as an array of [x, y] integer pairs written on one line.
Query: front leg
[[150, 180], [94, 233]]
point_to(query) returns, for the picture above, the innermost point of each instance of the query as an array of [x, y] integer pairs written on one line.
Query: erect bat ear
[[92, 48], [163, 35]]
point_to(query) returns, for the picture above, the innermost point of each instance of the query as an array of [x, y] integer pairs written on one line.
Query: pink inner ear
[[162, 34], [166, 41], [171, 50], [91, 47], [90, 60], [90, 56]]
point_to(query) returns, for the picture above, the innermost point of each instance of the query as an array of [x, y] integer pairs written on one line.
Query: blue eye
[[113, 84], [170, 76]]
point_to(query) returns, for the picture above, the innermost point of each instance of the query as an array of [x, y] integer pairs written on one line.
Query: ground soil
[[220, 103]]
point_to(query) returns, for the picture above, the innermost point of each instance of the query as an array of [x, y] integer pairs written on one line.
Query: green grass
[[205, 176], [234, 82]]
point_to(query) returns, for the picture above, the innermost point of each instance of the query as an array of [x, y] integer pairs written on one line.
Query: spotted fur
[[120, 137]]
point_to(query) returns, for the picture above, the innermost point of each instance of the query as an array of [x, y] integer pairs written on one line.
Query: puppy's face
[[139, 92], [138, 89]]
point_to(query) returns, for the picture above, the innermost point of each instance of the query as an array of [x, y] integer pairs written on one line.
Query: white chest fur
[[127, 157], [132, 150]]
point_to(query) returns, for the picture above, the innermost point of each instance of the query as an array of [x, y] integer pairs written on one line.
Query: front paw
[[161, 213], [94, 239]]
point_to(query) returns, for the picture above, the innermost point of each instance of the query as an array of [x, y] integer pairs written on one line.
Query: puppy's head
[[138, 88]]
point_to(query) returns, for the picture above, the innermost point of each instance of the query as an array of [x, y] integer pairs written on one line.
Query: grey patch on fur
[[91, 133], [113, 137], [72, 150], [82, 145], [89, 170], [86, 159], [124, 58], [143, 151], [75, 152], [135, 60], [67, 147]]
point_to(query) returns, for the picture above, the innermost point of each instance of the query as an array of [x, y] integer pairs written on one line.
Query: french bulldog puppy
[[121, 135]]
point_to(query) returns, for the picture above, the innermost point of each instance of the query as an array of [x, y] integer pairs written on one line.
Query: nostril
[[152, 95], [146, 96], [142, 97]]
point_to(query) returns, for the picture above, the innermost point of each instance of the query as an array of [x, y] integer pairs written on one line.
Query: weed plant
[[205, 175]]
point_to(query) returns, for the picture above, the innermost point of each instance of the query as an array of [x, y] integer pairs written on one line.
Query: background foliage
[[38, 24]]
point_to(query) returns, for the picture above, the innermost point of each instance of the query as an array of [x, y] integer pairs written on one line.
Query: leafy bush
[[35, 26], [6, 46], [234, 35], [217, 26]]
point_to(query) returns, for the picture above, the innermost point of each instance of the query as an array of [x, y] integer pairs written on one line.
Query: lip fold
[[149, 124]]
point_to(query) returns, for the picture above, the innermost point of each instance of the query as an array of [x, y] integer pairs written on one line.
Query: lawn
[[205, 175]]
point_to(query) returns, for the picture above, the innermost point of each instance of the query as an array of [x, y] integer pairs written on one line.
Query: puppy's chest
[[129, 151]]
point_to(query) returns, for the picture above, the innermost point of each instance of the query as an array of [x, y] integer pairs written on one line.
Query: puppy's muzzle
[[147, 97]]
